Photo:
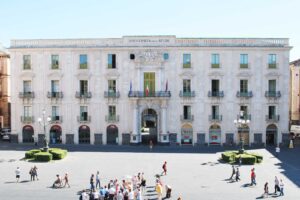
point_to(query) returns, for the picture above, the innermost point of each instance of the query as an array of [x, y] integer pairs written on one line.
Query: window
[[112, 111], [26, 86], [215, 86], [83, 61], [187, 60], [83, 113], [244, 110], [272, 86], [27, 111], [55, 113], [83, 87], [54, 86], [186, 85], [272, 112], [215, 60], [244, 86], [215, 112], [111, 61], [26, 62], [187, 112], [272, 61], [54, 61], [112, 86], [166, 56], [244, 61]]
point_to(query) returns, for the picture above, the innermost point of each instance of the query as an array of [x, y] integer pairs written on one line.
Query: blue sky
[[35, 19]]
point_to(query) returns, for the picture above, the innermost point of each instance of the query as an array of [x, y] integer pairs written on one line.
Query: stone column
[[135, 137], [164, 138]]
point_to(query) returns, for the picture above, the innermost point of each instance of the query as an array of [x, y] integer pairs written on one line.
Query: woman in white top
[[130, 194], [18, 173], [139, 195]]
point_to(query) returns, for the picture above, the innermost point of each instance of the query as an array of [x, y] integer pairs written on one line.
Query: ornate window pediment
[[27, 74], [215, 73], [83, 75], [54, 75], [187, 74], [272, 74], [244, 74], [112, 74]]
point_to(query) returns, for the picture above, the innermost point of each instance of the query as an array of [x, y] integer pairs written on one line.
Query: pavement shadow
[[246, 185], [24, 181]]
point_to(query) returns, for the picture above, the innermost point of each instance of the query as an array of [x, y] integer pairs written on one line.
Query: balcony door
[[149, 83]]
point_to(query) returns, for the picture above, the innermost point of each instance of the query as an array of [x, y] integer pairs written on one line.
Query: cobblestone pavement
[[193, 173]]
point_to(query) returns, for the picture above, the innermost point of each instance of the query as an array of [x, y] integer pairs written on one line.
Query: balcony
[[26, 95], [83, 66], [142, 94], [84, 119], [215, 118], [244, 66], [273, 94], [112, 118], [187, 93], [244, 94], [187, 65], [27, 119], [272, 65], [215, 93], [272, 118], [215, 65], [187, 118], [57, 95], [244, 117], [83, 95], [111, 94], [56, 119]]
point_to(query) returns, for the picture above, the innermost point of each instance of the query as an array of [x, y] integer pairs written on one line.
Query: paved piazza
[[193, 173]]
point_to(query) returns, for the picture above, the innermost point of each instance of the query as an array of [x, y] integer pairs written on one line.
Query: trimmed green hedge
[[39, 155], [43, 156], [30, 154], [247, 158]]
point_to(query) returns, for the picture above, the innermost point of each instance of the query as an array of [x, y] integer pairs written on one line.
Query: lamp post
[[241, 123], [43, 121]]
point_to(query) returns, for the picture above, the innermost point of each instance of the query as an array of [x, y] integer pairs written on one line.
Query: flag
[[130, 89], [147, 90], [167, 86]]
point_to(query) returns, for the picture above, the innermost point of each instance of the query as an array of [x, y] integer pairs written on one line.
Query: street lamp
[[43, 121], [241, 123]]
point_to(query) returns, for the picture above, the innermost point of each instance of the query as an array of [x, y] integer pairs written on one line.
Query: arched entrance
[[55, 135], [187, 134], [28, 134], [149, 126], [243, 134], [112, 134], [215, 134], [271, 134], [84, 134]]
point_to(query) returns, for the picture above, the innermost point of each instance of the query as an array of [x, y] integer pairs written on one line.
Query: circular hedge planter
[[52, 154], [247, 158]]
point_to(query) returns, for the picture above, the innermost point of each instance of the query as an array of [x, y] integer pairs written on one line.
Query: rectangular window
[[272, 86], [166, 56], [272, 61], [112, 86], [83, 87], [54, 61], [83, 61], [244, 110], [244, 86], [111, 61], [215, 112], [272, 112], [26, 62], [244, 61], [186, 85], [112, 111], [215, 86], [55, 113], [187, 112], [215, 60], [27, 111], [54, 86], [84, 113], [26, 86], [187, 60]]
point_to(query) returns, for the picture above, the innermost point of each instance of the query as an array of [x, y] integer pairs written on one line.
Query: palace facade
[[134, 89]]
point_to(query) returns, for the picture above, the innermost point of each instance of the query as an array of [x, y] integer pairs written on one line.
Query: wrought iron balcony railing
[[187, 118], [112, 118], [27, 119], [215, 93], [84, 119], [272, 118], [144, 94], [56, 95], [111, 94], [244, 117], [275, 94], [244, 94], [83, 95], [26, 95], [187, 93], [215, 118], [56, 119]]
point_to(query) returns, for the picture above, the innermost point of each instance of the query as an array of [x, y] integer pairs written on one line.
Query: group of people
[[32, 172], [278, 187], [61, 182]]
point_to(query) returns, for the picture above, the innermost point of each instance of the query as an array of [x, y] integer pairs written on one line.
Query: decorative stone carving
[[244, 74], [216, 73], [112, 74], [187, 74], [55, 74], [272, 74], [149, 57], [27, 74]]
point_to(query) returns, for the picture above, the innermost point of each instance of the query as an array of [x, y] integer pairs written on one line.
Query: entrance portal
[[55, 134], [271, 134], [112, 134], [27, 134], [149, 126], [84, 134]]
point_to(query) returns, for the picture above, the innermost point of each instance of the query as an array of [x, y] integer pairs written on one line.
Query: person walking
[[158, 189], [237, 175], [97, 180], [31, 174], [92, 182], [253, 177], [276, 187], [281, 185], [35, 174], [233, 172], [66, 179], [266, 190], [277, 150], [18, 174], [150, 145], [164, 167]]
